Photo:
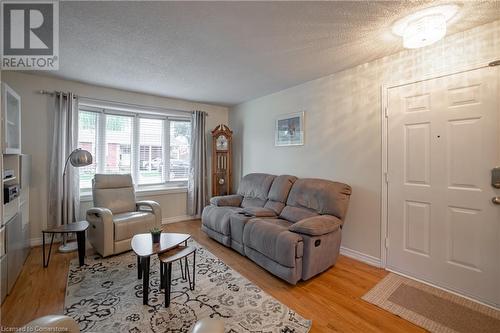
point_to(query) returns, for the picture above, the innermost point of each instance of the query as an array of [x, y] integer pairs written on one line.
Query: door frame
[[384, 177]]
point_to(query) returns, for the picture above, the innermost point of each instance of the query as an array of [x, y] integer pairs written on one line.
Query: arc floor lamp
[[78, 158]]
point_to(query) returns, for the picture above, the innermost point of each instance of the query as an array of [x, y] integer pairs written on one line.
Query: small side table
[[78, 228], [166, 260], [144, 248]]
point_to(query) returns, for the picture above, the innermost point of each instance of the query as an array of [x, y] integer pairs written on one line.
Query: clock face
[[221, 143]]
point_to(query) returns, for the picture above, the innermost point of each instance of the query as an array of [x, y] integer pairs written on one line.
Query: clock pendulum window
[[221, 160]]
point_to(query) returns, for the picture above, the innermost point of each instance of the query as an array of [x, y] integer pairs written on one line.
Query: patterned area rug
[[105, 296], [433, 309]]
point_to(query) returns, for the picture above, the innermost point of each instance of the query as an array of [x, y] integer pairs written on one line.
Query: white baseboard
[[366, 258], [175, 219], [36, 241]]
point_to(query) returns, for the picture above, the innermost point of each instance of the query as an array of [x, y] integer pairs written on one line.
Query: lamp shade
[[80, 157]]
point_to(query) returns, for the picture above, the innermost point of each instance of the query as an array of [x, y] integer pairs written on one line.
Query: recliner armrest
[[101, 231], [316, 225], [147, 203], [100, 212], [153, 206], [233, 200]]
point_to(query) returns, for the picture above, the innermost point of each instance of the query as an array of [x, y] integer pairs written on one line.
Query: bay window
[[154, 149]]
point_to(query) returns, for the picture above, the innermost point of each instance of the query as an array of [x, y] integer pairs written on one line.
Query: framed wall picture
[[289, 130]]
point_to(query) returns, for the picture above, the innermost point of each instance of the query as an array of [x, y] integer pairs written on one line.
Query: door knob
[[496, 200]]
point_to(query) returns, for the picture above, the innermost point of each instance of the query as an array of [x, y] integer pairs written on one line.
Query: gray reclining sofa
[[289, 226]]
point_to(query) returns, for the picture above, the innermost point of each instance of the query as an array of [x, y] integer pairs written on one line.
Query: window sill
[[143, 192]]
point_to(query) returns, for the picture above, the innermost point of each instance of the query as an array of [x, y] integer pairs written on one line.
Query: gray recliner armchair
[[116, 216], [289, 226]]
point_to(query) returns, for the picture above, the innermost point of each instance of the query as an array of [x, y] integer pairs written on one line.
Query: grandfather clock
[[221, 160]]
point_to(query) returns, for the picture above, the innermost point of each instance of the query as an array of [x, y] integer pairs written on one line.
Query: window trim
[[86, 196], [151, 188]]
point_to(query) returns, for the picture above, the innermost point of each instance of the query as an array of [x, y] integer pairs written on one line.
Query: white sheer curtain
[[64, 141], [197, 181]]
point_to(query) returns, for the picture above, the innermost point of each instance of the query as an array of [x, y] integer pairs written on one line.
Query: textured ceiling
[[230, 52]]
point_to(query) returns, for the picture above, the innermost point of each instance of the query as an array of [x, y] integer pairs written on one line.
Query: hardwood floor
[[332, 300]]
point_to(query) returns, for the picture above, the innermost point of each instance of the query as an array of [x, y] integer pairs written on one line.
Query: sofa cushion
[[237, 222], [217, 218], [271, 238], [118, 200], [281, 188], [252, 202], [126, 225], [254, 188], [259, 212], [321, 196], [115, 192], [275, 206], [112, 180], [279, 192], [294, 214]]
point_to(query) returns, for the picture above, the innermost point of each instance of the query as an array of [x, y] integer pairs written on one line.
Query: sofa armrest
[[152, 206], [233, 200], [259, 212], [316, 225], [101, 230]]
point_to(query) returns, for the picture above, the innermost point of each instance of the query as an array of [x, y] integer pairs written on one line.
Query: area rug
[[431, 308], [105, 295]]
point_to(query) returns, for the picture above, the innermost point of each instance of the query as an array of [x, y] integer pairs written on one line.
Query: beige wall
[[37, 129], [343, 125]]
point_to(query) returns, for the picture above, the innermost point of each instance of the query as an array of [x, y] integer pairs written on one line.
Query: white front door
[[443, 142]]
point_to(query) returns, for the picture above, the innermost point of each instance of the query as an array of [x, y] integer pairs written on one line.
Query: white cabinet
[[11, 119], [15, 227], [15, 260]]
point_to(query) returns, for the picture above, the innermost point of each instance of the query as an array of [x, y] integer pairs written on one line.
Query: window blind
[[153, 148], [151, 151], [117, 144], [180, 139]]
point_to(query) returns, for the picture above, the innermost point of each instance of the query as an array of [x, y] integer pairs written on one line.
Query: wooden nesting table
[[179, 254], [144, 248]]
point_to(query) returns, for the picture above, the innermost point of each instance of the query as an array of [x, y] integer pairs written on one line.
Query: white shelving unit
[[14, 223], [11, 117]]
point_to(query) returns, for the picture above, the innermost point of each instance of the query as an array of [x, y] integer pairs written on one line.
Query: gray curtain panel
[[197, 182], [64, 141]]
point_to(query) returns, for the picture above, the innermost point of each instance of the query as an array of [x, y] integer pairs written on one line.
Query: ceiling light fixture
[[424, 27]]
